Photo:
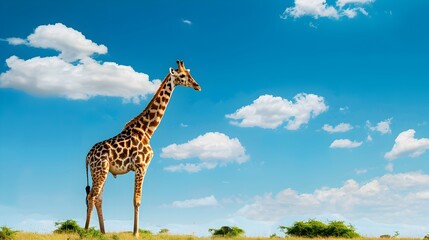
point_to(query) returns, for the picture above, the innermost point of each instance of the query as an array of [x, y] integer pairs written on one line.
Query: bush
[[68, 226], [7, 233], [144, 232], [226, 231], [71, 226], [91, 233], [314, 228], [164, 231]]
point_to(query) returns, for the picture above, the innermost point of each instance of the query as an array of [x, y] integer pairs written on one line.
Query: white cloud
[[345, 143], [212, 149], [369, 138], [320, 8], [342, 3], [350, 13], [16, 41], [198, 202], [82, 79], [389, 167], [382, 127], [344, 109], [191, 167], [314, 8], [186, 21], [342, 127], [406, 144], [361, 171], [51, 76], [395, 198], [312, 25], [71, 44], [268, 111]]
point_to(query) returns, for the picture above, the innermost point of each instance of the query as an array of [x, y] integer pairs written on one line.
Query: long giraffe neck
[[147, 121]]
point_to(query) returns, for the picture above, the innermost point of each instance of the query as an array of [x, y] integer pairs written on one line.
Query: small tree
[[226, 231], [68, 226], [164, 231], [7, 233]]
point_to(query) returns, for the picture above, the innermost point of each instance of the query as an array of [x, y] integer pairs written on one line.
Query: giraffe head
[[182, 76]]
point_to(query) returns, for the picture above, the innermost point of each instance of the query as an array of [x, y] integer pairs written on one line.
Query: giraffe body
[[130, 150]]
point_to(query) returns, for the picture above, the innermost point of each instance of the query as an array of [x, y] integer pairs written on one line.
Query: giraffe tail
[[87, 188]]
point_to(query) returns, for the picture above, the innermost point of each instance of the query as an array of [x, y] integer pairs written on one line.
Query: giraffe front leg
[[139, 177]]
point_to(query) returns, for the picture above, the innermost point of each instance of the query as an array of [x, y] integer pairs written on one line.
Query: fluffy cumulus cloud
[[72, 74], [382, 127], [198, 202], [342, 127], [71, 44], [392, 197], [345, 143], [321, 8], [268, 111], [407, 145], [211, 149]]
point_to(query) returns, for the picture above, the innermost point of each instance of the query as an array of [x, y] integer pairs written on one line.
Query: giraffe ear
[[172, 71]]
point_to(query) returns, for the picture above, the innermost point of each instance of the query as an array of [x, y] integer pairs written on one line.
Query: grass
[[129, 236]]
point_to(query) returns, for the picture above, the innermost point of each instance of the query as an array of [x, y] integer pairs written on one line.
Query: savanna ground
[[129, 236]]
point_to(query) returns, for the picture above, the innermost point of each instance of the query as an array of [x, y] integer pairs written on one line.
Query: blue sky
[[308, 109]]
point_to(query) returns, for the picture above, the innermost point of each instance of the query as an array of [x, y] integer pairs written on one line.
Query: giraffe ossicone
[[130, 150]]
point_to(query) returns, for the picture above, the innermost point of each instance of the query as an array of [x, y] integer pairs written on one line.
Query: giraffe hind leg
[[94, 198], [98, 207]]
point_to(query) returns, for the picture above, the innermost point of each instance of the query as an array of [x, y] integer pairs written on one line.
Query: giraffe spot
[[118, 162], [134, 141], [114, 154], [140, 146], [126, 162], [124, 154], [154, 123]]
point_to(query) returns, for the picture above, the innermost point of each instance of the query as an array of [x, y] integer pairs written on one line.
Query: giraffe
[[130, 150]]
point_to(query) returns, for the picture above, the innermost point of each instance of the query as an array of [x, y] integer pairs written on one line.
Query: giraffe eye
[[182, 75]]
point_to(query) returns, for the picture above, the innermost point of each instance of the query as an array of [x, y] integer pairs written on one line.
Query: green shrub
[[68, 226], [144, 232], [71, 226], [7, 233], [91, 233], [226, 231], [314, 228], [164, 231]]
